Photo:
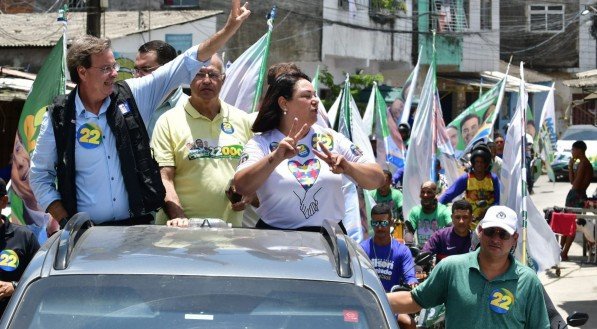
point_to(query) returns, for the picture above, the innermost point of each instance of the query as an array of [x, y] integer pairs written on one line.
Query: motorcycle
[[427, 318]]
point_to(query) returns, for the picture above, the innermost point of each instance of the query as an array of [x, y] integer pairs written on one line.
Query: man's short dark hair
[[580, 145], [164, 51], [381, 209], [468, 117], [2, 188], [462, 204], [387, 173]]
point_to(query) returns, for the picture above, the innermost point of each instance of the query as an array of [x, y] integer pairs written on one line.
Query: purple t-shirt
[[391, 262], [446, 242]]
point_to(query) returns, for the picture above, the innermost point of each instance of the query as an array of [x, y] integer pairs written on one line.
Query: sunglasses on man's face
[[378, 223], [492, 231]]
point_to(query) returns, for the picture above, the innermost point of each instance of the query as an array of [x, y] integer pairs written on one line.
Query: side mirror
[[577, 319], [423, 258], [414, 251], [399, 288]]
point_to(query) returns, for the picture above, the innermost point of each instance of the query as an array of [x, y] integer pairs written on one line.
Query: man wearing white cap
[[495, 289]]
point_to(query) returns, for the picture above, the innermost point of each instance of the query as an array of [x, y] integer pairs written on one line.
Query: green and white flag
[[49, 83], [244, 78], [358, 203]]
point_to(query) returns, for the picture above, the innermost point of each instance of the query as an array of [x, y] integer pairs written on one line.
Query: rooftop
[[43, 30]]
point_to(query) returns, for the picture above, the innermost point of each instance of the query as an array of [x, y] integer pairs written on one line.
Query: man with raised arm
[[93, 152]]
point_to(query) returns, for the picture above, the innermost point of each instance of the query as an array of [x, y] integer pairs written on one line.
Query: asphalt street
[[576, 287]]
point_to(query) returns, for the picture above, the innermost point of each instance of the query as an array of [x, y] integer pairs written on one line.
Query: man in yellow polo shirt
[[198, 147]]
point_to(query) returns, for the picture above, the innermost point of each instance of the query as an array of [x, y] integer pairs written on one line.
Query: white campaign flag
[[543, 250], [419, 157], [351, 125], [410, 85], [242, 76], [548, 115]]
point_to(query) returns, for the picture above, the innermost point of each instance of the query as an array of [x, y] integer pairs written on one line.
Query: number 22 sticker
[[89, 135], [500, 300]]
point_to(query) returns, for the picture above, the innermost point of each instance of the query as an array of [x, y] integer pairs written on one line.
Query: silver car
[[162, 277]]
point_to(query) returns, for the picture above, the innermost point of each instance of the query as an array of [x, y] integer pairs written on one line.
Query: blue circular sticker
[[227, 127], [303, 150], [273, 146], [500, 300], [9, 260], [89, 135], [356, 150]]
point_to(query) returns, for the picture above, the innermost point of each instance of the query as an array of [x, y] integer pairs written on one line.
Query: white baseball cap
[[502, 217]]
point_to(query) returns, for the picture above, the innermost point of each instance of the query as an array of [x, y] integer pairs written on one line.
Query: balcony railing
[[386, 10]]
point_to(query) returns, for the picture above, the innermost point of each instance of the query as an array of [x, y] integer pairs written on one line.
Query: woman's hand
[[338, 163], [287, 147]]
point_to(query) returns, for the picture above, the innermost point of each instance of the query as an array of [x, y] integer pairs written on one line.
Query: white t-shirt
[[301, 191]]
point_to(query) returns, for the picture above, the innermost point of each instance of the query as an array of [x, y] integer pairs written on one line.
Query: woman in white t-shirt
[[294, 165]]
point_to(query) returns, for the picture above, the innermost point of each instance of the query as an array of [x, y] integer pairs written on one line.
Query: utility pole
[[94, 13]]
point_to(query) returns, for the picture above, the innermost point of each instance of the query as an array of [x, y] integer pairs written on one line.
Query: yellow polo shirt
[[205, 154]]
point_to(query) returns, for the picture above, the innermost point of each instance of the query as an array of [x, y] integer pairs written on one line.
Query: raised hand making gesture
[[287, 146], [337, 162], [238, 14]]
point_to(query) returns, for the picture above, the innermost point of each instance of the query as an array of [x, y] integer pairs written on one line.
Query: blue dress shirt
[[100, 186]]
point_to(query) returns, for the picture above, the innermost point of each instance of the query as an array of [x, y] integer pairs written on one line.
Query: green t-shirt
[[426, 224], [511, 300], [394, 199]]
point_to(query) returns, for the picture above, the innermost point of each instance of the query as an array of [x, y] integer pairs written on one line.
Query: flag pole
[[524, 168], [433, 67], [262, 70], [62, 18], [346, 106]]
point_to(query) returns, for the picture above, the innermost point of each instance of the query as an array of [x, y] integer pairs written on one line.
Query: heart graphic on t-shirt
[[306, 174]]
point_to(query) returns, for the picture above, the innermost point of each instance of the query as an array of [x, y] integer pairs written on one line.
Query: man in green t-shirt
[[494, 289], [386, 194], [428, 217]]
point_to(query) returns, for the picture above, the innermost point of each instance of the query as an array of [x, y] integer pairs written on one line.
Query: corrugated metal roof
[[581, 82], [42, 30]]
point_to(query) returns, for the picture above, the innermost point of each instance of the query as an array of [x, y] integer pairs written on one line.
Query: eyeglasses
[[145, 70], [108, 68], [211, 75], [492, 231], [378, 223]]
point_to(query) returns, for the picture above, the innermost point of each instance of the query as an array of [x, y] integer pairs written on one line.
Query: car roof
[[153, 249], [574, 130]]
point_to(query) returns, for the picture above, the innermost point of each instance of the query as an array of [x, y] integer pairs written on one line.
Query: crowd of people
[[139, 151]]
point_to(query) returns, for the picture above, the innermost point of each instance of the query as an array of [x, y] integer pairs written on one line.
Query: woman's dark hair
[[270, 112]]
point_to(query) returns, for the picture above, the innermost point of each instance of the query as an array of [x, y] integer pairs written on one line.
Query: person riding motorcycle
[[481, 186]]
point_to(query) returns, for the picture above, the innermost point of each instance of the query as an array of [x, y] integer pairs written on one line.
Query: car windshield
[[573, 134], [152, 301]]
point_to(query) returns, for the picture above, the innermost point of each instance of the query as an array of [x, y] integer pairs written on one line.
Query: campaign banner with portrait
[[476, 121], [49, 83]]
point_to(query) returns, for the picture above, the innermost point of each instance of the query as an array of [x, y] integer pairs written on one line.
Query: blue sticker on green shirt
[[500, 300]]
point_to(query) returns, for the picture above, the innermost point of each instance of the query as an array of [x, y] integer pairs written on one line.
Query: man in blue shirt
[[105, 120], [391, 259]]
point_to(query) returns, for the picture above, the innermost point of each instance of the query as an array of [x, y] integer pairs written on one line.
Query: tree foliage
[[358, 82]]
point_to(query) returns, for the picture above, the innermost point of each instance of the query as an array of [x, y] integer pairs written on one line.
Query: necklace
[[382, 259]]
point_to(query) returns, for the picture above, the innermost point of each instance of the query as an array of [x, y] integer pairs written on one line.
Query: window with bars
[[546, 18], [485, 14], [449, 15]]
